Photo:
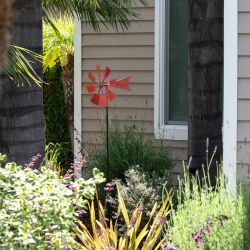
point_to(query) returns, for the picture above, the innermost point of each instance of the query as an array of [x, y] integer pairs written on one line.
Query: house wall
[[125, 52], [243, 133]]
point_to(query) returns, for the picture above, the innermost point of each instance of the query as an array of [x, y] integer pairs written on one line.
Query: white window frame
[[162, 131]]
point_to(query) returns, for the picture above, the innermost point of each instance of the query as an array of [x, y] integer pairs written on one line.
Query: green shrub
[[56, 128], [207, 217], [128, 147], [142, 189], [38, 208]]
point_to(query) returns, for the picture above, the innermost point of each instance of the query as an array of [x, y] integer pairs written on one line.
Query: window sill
[[172, 132]]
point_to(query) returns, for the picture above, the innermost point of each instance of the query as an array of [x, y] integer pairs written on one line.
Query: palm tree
[[113, 13], [58, 45], [4, 28], [205, 80], [21, 105]]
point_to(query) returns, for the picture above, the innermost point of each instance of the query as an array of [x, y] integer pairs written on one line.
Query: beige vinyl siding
[[243, 146], [129, 52]]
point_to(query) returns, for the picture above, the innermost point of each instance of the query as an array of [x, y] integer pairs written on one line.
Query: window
[[171, 69]]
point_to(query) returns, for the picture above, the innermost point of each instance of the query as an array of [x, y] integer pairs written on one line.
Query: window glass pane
[[178, 61]]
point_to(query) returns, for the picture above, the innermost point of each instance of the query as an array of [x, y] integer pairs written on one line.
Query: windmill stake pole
[[107, 140], [108, 163]]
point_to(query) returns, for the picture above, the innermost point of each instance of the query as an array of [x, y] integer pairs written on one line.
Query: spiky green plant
[[105, 235]]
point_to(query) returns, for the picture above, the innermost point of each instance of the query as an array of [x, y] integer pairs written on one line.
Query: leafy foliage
[[59, 43], [207, 217], [127, 147], [38, 207], [105, 235]]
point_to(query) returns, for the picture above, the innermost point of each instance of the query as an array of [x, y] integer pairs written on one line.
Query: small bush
[[127, 147], [141, 189], [207, 217], [37, 208]]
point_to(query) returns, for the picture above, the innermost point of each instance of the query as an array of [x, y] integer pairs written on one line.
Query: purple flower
[[33, 161], [207, 230], [210, 222], [80, 214], [79, 164], [162, 221], [109, 187], [198, 237], [166, 246], [71, 187]]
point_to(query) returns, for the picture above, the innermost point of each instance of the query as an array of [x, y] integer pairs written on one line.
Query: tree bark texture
[[5, 14], [21, 106], [205, 81], [68, 85]]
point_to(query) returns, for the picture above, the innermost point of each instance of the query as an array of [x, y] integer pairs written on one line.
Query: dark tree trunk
[[5, 13], [21, 107], [68, 85], [205, 81]]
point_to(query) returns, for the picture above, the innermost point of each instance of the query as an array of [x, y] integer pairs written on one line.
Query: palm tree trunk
[[68, 85], [21, 107], [5, 13], [205, 81]]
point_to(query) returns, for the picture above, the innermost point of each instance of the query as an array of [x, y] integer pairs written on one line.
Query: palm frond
[[20, 66], [57, 43], [115, 13]]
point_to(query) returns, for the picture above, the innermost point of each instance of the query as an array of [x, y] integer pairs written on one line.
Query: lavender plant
[[207, 217]]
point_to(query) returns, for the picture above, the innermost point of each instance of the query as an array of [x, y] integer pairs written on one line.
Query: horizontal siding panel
[[99, 125], [243, 131], [243, 24], [243, 152], [243, 172], [117, 64], [244, 67], [118, 52], [118, 39], [178, 169], [150, 3], [145, 13], [244, 44], [244, 110], [135, 27], [137, 89], [124, 102], [141, 77], [122, 114], [244, 5], [244, 88]]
